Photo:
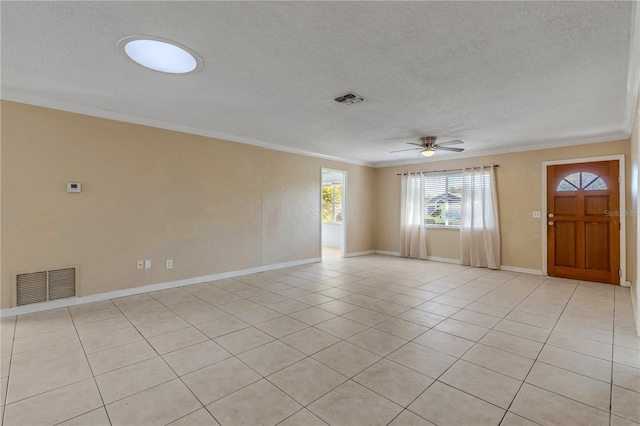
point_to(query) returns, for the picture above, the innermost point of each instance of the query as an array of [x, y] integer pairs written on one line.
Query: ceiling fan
[[428, 146]]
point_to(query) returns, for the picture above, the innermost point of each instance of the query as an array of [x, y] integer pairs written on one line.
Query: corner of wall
[[633, 270]]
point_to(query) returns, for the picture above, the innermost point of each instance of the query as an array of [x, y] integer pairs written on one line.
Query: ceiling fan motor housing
[[428, 140]]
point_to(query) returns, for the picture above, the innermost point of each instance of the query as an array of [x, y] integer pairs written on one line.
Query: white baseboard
[[634, 305], [72, 301], [388, 253], [360, 253], [444, 260], [459, 262], [432, 258], [522, 270]]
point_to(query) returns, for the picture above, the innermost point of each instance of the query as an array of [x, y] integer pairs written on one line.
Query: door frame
[[623, 222], [343, 236]]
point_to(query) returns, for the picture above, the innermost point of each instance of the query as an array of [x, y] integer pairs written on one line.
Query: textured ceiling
[[499, 75]]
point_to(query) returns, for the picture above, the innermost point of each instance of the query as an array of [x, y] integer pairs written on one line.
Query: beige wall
[[519, 182], [210, 205], [215, 206]]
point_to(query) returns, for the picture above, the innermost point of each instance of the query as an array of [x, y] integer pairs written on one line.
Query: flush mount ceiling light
[[160, 54]]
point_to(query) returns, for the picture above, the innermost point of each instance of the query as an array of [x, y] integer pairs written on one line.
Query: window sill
[[448, 228]]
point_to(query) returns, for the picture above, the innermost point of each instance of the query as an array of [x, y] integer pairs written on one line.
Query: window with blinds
[[442, 198]]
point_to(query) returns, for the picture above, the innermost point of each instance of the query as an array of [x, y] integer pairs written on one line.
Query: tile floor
[[331, 253], [367, 340]]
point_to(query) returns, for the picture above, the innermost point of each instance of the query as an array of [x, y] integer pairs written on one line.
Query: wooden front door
[[583, 221]]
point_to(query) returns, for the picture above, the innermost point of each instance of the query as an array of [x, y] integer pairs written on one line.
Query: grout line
[[310, 356], [613, 343], [169, 366], [351, 271], [301, 409], [576, 351], [476, 343], [385, 357], [566, 397], [192, 412], [118, 307], [541, 349], [574, 372], [569, 298], [4, 397], [262, 377], [80, 415], [93, 376]]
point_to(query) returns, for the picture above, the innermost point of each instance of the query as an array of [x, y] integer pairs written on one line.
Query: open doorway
[[333, 213]]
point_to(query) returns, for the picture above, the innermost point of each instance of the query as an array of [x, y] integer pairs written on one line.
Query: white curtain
[[413, 235], [479, 225]]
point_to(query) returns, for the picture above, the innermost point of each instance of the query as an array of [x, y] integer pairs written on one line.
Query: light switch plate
[[147, 264], [140, 264]]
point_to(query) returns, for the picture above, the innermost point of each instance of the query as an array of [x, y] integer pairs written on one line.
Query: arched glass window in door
[[582, 180]]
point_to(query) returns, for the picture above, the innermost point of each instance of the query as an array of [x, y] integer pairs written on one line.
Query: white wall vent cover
[[35, 287]]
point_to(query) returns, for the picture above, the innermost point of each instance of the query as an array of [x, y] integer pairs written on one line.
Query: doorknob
[[551, 223], [550, 214]]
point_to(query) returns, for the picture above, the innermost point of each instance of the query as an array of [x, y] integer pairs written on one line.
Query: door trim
[[623, 219], [343, 237]]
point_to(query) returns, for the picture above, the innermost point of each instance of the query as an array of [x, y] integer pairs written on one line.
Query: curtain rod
[[449, 170]]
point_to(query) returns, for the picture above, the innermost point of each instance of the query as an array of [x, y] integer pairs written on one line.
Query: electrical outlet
[[169, 264], [140, 264], [147, 264], [536, 214]]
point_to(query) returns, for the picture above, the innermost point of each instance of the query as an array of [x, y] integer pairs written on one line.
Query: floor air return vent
[[36, 287]]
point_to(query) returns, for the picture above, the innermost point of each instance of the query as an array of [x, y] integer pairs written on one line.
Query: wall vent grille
[[349, 99], [36, 287], [62, 283], [31, 288]]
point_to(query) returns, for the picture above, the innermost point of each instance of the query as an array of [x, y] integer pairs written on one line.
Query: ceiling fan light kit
[[428, 146]]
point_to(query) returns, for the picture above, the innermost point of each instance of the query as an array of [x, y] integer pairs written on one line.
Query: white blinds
[[427, 200], [440, 199], [443, 199]]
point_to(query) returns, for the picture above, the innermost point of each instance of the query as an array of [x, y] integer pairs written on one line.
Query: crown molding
[[16, 96], [13, 96], [558, 143]]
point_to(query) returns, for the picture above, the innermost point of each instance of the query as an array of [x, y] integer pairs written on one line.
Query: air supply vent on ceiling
[[35, 287], [349, 98]]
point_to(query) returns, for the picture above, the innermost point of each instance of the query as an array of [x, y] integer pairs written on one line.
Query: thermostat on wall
[[74, 187]]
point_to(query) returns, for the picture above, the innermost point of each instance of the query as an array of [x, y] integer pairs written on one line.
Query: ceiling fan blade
[[444, 148], [408, 149], [416, 144], [456, 142]]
